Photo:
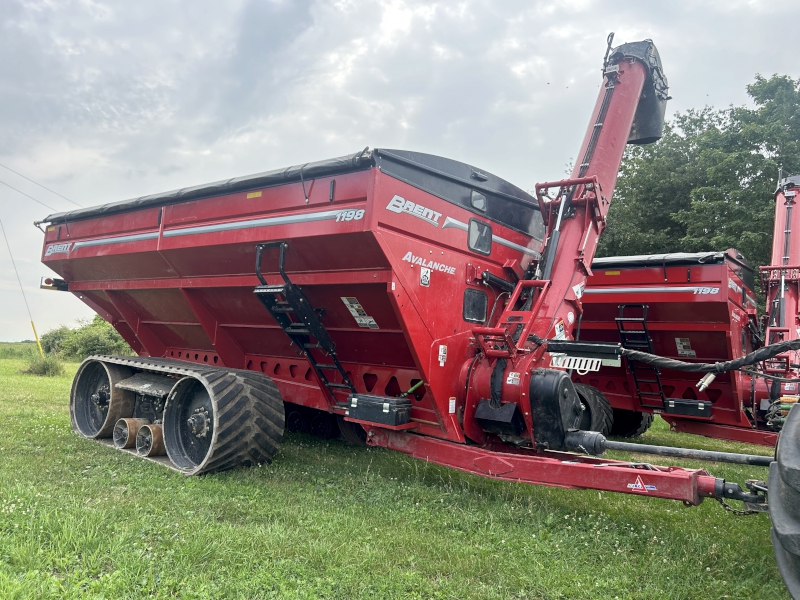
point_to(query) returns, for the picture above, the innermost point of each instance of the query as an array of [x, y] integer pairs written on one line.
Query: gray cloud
[[108, 100]]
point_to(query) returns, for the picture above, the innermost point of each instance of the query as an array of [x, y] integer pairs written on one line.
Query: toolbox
[[379, 409]]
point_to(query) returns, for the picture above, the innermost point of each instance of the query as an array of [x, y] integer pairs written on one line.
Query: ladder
[[301, 322], [633, 334]]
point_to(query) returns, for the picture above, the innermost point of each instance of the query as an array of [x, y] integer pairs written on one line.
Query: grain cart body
[[689, 306], [377, 239]]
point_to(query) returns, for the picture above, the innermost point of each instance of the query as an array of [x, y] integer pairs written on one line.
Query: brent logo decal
[[57, 248], [399, 205]]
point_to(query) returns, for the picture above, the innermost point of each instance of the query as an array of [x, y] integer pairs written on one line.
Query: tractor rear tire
[[353, 433], [630, 423], [221, 419], [784, 503], [596, 414]]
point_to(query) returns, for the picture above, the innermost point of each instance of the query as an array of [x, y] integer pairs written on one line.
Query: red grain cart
[[424, 303], [691, 307]]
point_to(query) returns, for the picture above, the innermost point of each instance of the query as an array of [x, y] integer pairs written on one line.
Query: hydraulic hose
[[758, 356]]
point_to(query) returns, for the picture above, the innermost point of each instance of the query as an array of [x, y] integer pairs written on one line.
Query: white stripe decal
[[137, 237], [450, 222], [267, 222], [641, 290]]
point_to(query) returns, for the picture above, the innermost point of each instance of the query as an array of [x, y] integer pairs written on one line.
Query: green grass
[[18, 349], [325, 520]]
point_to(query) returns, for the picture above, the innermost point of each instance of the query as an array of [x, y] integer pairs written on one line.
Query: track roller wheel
[[353, 433], [296, 418], [125, 432], [596, 414], [784, 503], [95, 403], [630, 423], [150, 441], [323, 425], [222, 419]]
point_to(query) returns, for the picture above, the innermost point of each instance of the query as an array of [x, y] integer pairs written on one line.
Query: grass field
[[325, 520]]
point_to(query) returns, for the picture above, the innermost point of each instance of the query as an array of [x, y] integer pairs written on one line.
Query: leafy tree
[[708, 183], [91, 337], [53, 340]]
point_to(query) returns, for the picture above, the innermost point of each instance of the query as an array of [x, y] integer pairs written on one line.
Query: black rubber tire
[[630, 423], [352, 433], [597, 414], [245, 426], [784, 503]]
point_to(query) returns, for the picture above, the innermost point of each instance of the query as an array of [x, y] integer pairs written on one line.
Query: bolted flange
[[198, 422], [100, 398]]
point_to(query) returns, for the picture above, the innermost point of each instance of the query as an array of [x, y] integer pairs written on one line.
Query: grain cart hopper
[[696, 307], [429, 305]]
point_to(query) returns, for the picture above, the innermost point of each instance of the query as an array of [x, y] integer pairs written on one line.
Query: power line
[[40, 185], [27, 196], [21, 289]]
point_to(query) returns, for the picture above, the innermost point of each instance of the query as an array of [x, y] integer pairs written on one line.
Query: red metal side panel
[[178, 281], [695, 313]]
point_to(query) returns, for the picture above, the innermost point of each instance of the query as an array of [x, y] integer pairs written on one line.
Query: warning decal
[[358, 312], [684, 347]]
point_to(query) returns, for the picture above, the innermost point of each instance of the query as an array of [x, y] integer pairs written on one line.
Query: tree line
[[708, 184]]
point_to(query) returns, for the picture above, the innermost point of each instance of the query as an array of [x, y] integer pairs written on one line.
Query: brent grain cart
[[696, 307], [693, 307], [425, 303]]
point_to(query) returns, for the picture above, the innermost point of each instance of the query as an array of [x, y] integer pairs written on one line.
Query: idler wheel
[[125, 432], [222, 419], [95, 403], [324, 425], [150, 441], [296, 419]]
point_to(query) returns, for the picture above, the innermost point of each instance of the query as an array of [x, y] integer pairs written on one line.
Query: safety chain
[[736, 511]]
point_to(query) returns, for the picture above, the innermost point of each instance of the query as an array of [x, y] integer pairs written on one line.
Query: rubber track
[[249, 416], [352, 433], [602, 415], [642, 423]]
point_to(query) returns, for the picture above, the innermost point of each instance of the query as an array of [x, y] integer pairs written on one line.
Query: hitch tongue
[[754, 501]]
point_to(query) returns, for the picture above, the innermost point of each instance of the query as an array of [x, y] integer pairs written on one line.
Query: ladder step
[[297, 330], [334, 367], [311, 346], [270, 289], [343, 386], [643, 393], [282, 309]]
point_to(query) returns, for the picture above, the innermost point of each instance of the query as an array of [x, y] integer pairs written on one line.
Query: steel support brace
[[151, 342], [226, 346], [554, 469]]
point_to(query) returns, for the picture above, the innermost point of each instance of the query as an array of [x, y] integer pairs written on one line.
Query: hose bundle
[[758, 356]]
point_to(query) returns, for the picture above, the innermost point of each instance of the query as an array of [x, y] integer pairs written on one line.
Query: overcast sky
[[104, 101]]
